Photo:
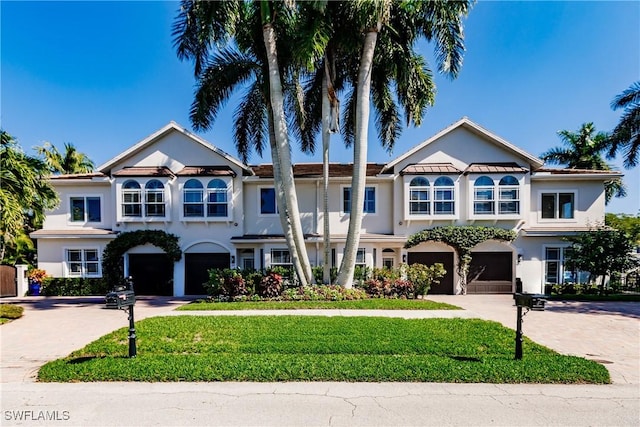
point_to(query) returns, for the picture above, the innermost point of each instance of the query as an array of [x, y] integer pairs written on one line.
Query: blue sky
[[104, 75]]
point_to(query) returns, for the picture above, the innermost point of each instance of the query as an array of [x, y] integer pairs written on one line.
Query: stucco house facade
[[225, 214]]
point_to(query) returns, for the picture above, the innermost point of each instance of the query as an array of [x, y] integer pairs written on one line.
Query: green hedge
[[74, 286]]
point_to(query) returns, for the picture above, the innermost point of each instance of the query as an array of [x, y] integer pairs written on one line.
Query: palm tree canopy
[[72, 161], [583, 150], [25, 193], [626, 135]]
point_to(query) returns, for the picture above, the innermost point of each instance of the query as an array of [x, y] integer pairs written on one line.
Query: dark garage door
[[196, 266], [152, 274], [491, 273], [429, 258]]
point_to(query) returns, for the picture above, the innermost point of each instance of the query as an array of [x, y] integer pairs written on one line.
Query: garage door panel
[[491, 273], [196, 270], [152, 274], [429, 258]]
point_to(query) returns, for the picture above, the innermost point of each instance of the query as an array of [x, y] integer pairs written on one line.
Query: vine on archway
[[462, 239], [112, 268]]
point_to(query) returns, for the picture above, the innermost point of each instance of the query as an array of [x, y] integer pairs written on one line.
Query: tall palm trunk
[[284, 220], [358, 180], [283, 153], [326, 229]]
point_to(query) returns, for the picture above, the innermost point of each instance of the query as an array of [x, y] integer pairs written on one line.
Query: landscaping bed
[[363, 304], [316, 348]]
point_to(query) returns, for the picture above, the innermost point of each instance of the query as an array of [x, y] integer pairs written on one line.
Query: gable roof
[[170, 127], [476, 129]]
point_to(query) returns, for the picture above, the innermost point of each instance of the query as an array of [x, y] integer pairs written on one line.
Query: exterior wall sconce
[[233, 259], [404, 258], [520, 257]]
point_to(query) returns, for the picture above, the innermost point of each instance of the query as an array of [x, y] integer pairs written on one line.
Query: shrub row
[[406, 282], [73, 286]]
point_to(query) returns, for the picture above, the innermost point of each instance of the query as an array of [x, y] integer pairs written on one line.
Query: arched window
[[193, 198], [444, 196], [509, 195], [131, 199], [419, 200], [484, 196], [154, 198], [217, 198]]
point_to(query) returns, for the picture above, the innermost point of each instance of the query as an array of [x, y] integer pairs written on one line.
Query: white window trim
[[376, 202], [408, 216], [555, 191], [166, 182], [563, 247], [85, 223], [275, 192], [205, 197], [65, 262], [496, 215], [271, 262]]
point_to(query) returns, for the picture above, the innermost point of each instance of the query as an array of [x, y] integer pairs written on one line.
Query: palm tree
[[583, 151], [25, 192], [626, 135], [440, 22], [260, 115], [71, 162]]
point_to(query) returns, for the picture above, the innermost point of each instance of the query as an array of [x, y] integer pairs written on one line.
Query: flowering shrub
[[270, 286], [36, 275], [322, 293], [226, 284]]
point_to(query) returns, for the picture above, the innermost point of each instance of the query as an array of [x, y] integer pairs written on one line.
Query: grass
[[366, 304], [316, 348], [9, 312]]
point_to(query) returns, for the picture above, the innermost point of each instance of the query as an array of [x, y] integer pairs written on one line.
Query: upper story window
[[419, 196], [509, 195], [489, 199], [483, 196], [217, 198], [369, 200], [193, 198], [211, 201], [444, 196], [154, 204], [82, 262], [85, 209], [131, 199], [558, 205], [268, 204]]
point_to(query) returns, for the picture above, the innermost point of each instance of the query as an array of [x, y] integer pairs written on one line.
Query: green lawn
[[366, 304], [310, 348]]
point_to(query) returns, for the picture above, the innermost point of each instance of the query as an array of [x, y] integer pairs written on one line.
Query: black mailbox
[[121, 297], [531, 301]]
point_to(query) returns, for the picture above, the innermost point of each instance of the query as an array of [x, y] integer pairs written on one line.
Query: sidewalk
[[53, 327]]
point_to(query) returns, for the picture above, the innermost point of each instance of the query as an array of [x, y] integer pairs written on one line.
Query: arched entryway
[[199, 258]]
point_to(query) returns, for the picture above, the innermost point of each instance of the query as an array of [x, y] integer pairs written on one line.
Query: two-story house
[[225, 212]]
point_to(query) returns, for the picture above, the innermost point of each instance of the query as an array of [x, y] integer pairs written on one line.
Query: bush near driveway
[[10, 312]]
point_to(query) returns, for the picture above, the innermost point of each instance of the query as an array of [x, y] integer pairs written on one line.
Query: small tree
[[462, 239], [601, 252]]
